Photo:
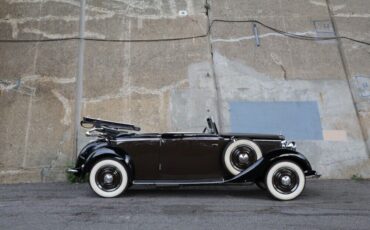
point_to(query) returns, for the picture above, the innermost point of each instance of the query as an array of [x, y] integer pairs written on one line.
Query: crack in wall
[[29, 116], [49, 35], [8, 85], [45, 78], [252, 37], [318, 3], [23, 20], [276, 59], [14, 22], [351, 15], [66, 105], [54, 164], [139, 90], [131, 9], [323, 4]]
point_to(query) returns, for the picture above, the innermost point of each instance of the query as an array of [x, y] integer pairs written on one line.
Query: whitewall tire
[[108, 178], [285, 180], [240, 154]]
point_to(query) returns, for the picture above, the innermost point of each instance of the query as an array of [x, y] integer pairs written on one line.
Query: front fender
[[289, 154], [259, 168]]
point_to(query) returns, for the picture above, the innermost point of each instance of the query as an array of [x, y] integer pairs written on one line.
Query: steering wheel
[[205, 129], [211, 126]]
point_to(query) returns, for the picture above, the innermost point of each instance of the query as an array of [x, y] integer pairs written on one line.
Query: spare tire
[[241, 154]]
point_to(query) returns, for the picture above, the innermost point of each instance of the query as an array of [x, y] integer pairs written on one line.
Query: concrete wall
[[37, 83], [174, 85]]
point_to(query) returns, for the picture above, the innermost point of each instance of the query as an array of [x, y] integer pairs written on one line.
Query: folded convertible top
[[88, 122]]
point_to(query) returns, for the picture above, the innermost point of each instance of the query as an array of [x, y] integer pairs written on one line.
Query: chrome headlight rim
[[288, 144]]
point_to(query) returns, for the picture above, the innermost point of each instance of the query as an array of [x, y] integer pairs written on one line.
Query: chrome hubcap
[[108, 178], [285, 180], [243, 158]]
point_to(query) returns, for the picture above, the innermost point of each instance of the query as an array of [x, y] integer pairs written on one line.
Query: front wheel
[[108, 178], [285, 180]]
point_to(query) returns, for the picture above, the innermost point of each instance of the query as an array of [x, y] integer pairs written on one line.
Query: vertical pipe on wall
[[215, 78], [79, 80], [255, 31]]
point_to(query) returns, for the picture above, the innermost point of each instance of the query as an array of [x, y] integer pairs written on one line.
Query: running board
[[177, 182]]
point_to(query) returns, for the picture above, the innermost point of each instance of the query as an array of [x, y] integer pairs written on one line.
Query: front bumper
[[312, 174]]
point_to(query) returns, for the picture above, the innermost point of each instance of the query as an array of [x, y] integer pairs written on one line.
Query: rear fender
[[111, 153], [87, 150]]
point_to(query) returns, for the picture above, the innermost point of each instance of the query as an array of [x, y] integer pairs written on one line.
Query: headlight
[[288, 144]]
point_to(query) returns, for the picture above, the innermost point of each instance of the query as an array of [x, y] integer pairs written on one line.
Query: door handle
[[214, 145]]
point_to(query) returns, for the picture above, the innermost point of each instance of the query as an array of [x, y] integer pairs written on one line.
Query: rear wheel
[[285, 180], [108, 178]]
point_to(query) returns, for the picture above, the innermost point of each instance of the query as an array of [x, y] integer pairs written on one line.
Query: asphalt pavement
[[324, 204]]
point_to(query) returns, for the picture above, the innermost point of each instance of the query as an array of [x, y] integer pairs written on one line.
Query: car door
[[190, 156]]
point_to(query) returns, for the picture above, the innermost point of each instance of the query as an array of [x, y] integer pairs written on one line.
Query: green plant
[[357, 177], [72, 178]]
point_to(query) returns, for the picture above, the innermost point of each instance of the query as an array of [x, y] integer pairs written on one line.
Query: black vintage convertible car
[[121, 157]]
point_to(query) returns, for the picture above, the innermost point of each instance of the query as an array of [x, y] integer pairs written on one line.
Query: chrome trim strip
[[90, 133], [136, 139], [265, 140], [158, 138], [179, 182]]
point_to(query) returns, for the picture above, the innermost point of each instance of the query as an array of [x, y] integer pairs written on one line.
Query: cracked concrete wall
[[172, 85], [352, 19], [37, 83], [286, 69], [144, 82]]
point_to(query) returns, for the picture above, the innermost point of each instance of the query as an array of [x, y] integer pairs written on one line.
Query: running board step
[[177, 182]]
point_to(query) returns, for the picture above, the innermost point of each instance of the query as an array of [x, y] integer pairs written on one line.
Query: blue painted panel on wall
[[296, 120]]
